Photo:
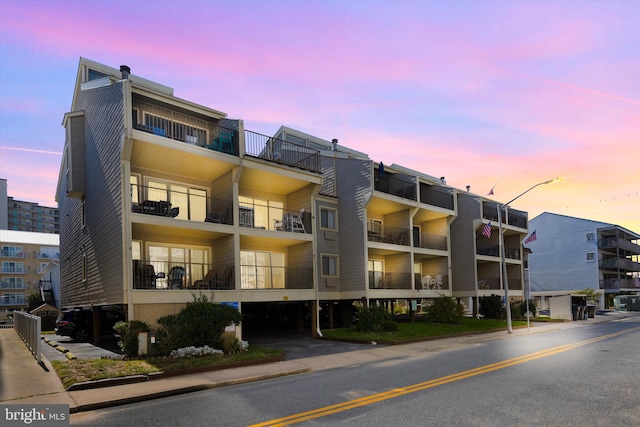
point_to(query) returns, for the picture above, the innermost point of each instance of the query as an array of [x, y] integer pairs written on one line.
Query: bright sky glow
[[481, 92]]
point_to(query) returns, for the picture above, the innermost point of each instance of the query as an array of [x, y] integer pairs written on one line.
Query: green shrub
[[491, 307], [519, 309], [445, 310], [375, 318], [201, 322], [128, 335]]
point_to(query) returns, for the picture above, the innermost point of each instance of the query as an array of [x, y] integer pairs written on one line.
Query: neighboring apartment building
[[23, 257], [26, 216], [161, 199], [571, 254]]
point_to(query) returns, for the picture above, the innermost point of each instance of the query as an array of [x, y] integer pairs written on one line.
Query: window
[[95, 75], [191, 202], [12, 251], [260, 213], [195, 261], [12, 283], [12, 299], [82, 214], [376, 273], [589, 236], [329, 265], [12, 267], [328, 218], [590, 256], [262, 270], [84, 267]]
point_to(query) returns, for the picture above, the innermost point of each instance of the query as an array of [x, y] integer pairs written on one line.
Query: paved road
[[574, 376]]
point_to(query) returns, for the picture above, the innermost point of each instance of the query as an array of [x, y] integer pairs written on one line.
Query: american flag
[[486, 231], [531, 238]]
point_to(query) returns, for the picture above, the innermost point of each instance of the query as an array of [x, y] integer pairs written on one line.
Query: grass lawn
[[420, 329], [82, 370]]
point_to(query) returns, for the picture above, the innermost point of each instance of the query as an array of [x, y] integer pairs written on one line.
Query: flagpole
[[528, 289]]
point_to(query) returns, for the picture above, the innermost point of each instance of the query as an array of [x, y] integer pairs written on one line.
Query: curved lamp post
[[503, 263]]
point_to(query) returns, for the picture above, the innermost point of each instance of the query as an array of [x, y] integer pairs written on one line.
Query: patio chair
[[176, 277], [296, 223]]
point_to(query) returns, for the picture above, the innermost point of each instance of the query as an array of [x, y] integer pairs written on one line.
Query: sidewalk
[[23, 381]]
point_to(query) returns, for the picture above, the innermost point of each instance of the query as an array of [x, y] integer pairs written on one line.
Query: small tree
[[128, 335], [201, 322], [592, 296], [445, 310], [491, 307], [375, 318], [519, 308]]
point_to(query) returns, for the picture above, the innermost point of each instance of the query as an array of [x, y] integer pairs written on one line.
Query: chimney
[[125, 72], [468, 188], [334, 141], [443, 181]]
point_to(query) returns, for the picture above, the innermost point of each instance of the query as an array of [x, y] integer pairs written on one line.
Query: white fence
[[29, 328]]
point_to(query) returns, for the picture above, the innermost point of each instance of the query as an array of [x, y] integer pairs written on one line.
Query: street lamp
[[503, 263]]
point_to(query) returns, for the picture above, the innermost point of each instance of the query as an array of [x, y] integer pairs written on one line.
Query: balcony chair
[[149, 277], [176, 277], [426, 281], [296, 223], [438, 282], [173, 212], [223, 143]]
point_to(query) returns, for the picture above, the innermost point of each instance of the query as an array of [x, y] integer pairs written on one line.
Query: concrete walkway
[[23, 381]]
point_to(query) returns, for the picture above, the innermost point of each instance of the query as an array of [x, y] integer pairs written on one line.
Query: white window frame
[[329, 211], [336, 266]]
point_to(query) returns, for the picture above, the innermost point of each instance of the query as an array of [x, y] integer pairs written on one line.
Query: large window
[[262, 270], [191, 202], [12, 267], [12, 251], [12, 299], [260, 213], [163, 258], [328, 218], [12, 283]]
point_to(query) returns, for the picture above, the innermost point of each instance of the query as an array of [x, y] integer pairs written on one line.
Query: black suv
[[78, 324]]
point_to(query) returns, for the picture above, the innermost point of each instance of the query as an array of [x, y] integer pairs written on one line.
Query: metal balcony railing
[[256, 277], [390, 184], [436, 196], [616, 242], [619, 263], [280, 151], [377, 232], [494, 250], [255, 215], [12, 300], [432, 282], [431, 241], [13, 254], [387, 280], [165, 275]]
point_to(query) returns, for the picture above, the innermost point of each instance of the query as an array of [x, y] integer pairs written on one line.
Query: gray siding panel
[[100, 241], [463, 268]]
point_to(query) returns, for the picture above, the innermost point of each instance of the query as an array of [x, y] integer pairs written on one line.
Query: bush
[[128, 335], [491, 307], [375, 318], [519, 308], [445, 310], [200, 323]]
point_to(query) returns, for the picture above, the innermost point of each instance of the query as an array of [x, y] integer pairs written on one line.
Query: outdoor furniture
[[176, 277], [173, 212], [296, 222]]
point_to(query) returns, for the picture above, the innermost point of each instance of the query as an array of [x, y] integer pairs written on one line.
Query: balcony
[[175, 204], [258, 277], [436, 196], [255, 215], [12, 300], [378, 280], [514, 217], [619, 264], [163, 275], [8, 268], [282, 152], [391, 184], [13, 254], [377, 232], [493, 283], [8, 284], [432, 282], [494, 251], [430, 241], [616, 242]]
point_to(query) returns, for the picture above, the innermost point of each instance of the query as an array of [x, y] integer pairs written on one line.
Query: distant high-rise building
[[18, 215]]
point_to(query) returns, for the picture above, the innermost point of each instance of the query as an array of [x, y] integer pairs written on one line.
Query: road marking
[[367, 400]]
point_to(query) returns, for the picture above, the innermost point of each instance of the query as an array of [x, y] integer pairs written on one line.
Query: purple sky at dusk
[[481, 92]]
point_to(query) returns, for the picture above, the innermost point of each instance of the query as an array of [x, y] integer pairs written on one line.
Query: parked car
[[78, 324]]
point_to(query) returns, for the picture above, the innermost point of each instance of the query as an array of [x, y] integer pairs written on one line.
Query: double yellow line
[[350, 404]]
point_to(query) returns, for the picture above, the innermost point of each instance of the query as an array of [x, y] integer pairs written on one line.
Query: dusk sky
[[511, 93]]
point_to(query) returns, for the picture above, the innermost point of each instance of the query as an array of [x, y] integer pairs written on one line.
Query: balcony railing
[[13, 254], [379, 280], [256, 277], [377, 232], [164, 275], [515, 217], [432, 282], [13, 269], [616, 242], [280, 151], [436, 196], [431, 241], [494, 250], [170, 123], [493, 283], [388, 183], [12, 300], [180, 205], [619, 263], [7, 284], [255, 215]]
